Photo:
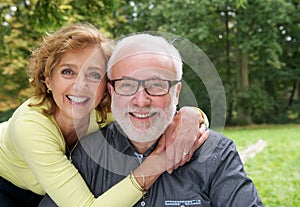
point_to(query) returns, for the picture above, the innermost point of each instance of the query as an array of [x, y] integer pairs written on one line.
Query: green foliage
[[261, 105], [4, 115], [23, 23], [268, 32]]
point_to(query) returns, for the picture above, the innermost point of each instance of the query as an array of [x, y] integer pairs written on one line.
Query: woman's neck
[[72, 129]]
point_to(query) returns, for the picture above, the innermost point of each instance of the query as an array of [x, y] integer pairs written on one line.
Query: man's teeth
[[139, 115], [76, 99]]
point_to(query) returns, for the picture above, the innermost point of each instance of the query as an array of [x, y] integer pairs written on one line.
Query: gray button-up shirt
[[214, 177]]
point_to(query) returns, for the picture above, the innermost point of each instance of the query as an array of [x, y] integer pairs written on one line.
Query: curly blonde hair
[[48, 54]]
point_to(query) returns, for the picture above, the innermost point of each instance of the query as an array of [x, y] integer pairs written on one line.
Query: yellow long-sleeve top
[[32, 156]]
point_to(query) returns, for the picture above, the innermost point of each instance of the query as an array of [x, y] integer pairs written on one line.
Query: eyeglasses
[[152, 86]]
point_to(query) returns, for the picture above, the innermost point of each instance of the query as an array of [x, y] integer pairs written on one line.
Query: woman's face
[[78, 82]]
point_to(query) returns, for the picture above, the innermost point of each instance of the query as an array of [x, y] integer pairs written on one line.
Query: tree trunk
[[243, 108], [228, 70], [294, 91]]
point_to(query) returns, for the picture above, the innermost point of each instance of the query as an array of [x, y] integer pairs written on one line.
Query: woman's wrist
[[139, 184], [144, 182], [149, 170]]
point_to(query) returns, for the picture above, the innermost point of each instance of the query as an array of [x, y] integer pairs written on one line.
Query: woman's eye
[[94, 75], [68, 72]]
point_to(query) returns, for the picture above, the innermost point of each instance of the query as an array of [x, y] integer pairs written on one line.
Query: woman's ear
[[47, 82]]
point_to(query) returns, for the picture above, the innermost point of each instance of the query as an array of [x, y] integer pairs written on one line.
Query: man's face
[[144, 117]]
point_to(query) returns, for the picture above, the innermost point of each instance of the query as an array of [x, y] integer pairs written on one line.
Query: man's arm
[[230, 185]]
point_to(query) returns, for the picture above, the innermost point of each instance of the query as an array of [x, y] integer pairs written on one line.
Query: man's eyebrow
[[156, 76], [128, 77], [150, 77]]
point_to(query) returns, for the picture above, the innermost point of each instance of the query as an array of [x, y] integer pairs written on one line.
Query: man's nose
[[141, 98]]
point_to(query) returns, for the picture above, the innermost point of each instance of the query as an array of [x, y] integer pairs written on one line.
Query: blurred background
[[253, 44]]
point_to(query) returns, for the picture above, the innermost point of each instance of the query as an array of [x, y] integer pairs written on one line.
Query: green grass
[[276, 170]]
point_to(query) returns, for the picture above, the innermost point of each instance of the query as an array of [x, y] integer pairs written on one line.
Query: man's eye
[[157, 85], [94, 75], [126, 85]]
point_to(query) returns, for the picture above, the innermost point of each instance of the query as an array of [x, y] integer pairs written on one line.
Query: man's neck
[[142, 147]]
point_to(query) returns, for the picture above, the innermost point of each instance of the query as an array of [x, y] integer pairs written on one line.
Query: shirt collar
[[123, 144]]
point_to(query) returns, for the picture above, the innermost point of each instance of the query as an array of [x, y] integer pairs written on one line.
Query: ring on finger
[[186, 153]]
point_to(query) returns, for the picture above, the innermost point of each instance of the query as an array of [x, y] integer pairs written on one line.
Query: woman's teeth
[[76, 99]]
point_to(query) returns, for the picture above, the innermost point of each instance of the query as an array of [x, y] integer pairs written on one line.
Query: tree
[[257, 43], [23, 23], [253, 44]]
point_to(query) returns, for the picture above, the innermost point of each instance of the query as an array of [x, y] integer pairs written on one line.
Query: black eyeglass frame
[[142, 82]]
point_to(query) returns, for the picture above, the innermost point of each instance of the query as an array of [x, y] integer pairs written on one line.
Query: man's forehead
[[145, 57], [147, 64], [143, 43], [145, 73]]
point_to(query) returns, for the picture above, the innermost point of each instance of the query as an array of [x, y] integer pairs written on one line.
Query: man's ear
[[178, 89], [109, 88]]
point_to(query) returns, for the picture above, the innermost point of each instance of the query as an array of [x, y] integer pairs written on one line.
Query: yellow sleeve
[[204, 117], [43, 167], [122, 194]]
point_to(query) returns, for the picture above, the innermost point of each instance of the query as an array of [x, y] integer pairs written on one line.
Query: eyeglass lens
[[156, 87]]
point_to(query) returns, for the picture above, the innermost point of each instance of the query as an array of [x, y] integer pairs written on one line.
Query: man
[[145, 73]]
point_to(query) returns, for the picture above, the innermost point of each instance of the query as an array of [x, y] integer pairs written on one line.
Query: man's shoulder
[[219, 139], [213, 147], [100, 133], [93, 146], [91, 143], [107, 135]]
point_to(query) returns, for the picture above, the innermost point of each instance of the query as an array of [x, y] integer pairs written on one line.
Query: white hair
[[145, 43]]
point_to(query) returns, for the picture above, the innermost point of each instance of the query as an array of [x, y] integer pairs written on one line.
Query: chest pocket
[[183, 203]]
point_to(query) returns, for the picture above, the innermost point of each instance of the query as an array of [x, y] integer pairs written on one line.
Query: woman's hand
[[183, 137]]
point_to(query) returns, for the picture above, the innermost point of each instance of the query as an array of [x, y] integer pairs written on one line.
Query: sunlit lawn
[[276, 170]]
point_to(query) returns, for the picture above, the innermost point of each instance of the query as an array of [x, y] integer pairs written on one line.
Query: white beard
[[144, 131]]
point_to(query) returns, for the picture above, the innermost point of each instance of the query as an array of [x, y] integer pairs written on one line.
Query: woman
[[67, 73]]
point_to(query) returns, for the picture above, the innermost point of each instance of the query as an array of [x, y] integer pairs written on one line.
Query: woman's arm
[[184, 136], [41, 144]]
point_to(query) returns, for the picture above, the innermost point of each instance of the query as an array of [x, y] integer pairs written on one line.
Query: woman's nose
[[80, 82]]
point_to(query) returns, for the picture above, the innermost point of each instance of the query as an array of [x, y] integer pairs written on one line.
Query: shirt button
[[143, 203]]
